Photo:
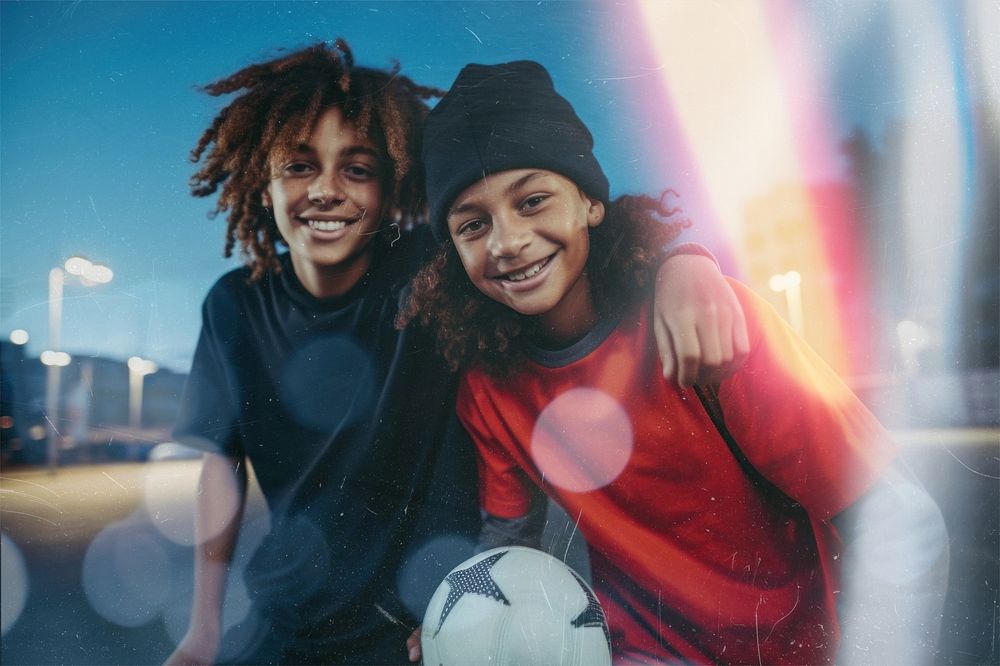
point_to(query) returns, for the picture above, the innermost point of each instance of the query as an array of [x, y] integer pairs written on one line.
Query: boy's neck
[[331, 281], [574, 316]]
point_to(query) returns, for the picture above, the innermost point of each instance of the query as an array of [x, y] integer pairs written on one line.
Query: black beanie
[[500, 117]]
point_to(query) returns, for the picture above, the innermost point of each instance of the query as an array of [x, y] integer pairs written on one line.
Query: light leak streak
[[932, 175], [745, 135]]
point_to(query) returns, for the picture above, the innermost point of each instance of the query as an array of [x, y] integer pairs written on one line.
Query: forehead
[[330, 133], [332, 129]]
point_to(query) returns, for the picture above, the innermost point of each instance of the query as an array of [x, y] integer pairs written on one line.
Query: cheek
[[470, 259], [280, 193], [467, 259]]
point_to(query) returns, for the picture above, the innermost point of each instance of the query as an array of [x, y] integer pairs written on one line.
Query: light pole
[[789, 283], [138, 368], [89, 275]]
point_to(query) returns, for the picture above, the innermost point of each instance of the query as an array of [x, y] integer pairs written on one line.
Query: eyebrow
[[513, 187], [350, 151], [362, 150]]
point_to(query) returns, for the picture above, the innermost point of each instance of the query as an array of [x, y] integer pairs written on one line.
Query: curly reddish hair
[[474, 331], [280, 103]]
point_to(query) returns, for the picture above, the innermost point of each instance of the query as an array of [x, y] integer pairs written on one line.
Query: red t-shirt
[[692, 560]]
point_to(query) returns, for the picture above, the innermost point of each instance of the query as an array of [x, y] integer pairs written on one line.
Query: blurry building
[[93, 417]]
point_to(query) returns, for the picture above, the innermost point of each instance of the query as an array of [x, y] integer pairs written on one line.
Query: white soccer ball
[[514, 605]]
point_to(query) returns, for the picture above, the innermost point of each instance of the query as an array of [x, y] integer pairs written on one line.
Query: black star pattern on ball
[[473, 580], [593, 614]]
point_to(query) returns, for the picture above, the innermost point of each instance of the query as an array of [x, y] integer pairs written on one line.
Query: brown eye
[[297, 168], [471, 227], [534, 201], [360, 171]]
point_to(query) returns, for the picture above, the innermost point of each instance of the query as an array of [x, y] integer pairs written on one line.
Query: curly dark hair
[[281, 102], [474, 331]]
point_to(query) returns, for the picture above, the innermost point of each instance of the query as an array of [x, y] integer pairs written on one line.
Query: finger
[[710, 336], [688, 353], [665, 347], [413, 645], [734, 354], [725, 339], [741, 339]]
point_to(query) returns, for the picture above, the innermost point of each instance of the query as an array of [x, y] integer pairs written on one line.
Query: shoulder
[[479, 402], [471, 382], [476, 386], [228, 284], [233, 293]]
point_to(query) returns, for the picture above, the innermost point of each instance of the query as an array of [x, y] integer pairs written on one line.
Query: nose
[[508, 236], [326, 190]]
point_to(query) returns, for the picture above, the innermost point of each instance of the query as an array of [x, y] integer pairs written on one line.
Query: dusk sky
[[100, 109]]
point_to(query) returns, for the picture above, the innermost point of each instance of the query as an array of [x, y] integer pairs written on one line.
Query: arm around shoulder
[[698, 322]]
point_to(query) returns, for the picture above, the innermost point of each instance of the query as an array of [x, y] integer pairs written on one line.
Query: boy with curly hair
[[713, 517], [348, 423]]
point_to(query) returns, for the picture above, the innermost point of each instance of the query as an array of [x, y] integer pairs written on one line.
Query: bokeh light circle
[[126, 574], [294, 561], [426, 566], [177, 609], [582, 440], [237, 608], [175, 451], [13, 583], [170, 495], [327, 383]]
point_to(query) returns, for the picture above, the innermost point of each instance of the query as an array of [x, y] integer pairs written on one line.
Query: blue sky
[[100, 109]]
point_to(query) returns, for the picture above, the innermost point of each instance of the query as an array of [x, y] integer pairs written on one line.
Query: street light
[[138, 368], [789, 284], [89, 274], [58, 359], [19, 336]]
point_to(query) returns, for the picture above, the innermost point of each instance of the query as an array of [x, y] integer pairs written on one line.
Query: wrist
[[689, 250]]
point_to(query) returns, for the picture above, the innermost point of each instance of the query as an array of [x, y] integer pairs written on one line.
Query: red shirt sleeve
[[504, 491], [796, 420]]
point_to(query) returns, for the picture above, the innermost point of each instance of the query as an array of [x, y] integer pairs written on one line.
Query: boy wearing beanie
[[716, 518]]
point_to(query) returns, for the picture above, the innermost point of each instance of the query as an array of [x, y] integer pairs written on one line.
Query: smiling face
[[523, 238], [327, 201]]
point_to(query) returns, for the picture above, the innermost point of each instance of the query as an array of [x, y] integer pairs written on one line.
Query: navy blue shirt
[[350, 427]]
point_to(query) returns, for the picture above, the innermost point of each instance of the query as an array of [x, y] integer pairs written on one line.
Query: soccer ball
[[514, 605]]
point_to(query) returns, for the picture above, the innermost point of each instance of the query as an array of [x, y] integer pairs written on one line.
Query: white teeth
[[326, 225], [527, 273]]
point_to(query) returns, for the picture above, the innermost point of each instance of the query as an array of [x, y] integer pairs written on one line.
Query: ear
[[595, 212], [265, 197]]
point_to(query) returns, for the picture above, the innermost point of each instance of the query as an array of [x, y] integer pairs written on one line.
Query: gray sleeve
[[895, 573], [524, 530]]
